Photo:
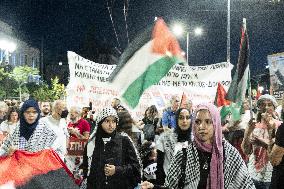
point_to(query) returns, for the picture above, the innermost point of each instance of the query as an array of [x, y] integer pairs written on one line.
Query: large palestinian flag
[[240, 83], [145, 62], [41, 170]]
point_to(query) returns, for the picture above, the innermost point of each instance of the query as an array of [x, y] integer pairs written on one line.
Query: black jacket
[[121, 153]]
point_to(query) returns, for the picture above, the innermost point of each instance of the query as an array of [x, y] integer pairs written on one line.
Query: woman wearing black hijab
[[31, 135], [172, 141]]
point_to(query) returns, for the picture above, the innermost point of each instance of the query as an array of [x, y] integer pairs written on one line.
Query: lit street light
[[8, 47], [198, 31], [178, 30]]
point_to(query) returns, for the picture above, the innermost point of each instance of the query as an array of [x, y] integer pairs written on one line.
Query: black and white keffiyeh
[[42, 138], [108, 111], [236, 175], [166, 144]]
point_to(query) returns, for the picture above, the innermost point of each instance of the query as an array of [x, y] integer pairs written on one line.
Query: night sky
[[65, 24]]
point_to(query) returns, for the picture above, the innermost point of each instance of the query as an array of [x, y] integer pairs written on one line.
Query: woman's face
[[109, 124], [266, 106], [204, 126], [30, 115], [246, 105], [184, 120], [14, 117], [150, 114], [153, 154]]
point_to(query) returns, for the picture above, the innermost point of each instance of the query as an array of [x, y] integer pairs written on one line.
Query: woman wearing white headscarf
[[257, 139], [113, 161]]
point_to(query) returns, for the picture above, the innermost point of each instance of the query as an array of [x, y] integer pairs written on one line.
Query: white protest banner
[[276, 71], [88, 83]]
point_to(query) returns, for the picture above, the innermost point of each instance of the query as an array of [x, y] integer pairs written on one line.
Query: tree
[[58, 89], [18, 82], [3, 74], [8, 86], [21, 74], [41, 93], [45, 93]]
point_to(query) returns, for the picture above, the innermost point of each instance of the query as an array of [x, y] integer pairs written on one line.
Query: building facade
[[14, 51]]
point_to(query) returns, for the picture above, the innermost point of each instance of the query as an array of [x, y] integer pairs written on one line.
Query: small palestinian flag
[[183, 101], [220, 96]]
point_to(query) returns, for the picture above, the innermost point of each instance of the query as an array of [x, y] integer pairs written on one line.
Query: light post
[[178, 30], [228, 30], [8, 48], [20, 90]]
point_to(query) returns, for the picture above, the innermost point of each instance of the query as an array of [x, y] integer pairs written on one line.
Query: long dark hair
[[152, 110], [183, 135], [125, 123]]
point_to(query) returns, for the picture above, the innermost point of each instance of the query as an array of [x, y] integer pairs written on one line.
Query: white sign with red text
[[89, 83]]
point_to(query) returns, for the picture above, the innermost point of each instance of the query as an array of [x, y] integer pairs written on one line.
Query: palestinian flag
[[241, 82], [41, 170], [220, 96], [258, 93], [233, 109], [145, 62], [183, 100]]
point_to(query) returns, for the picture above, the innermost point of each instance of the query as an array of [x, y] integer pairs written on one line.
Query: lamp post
[[20, 90], [228, 30], [178, 30]]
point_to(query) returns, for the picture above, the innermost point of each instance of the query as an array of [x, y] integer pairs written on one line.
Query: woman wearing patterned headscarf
[[210, 161], [32, 135], [113, 161]]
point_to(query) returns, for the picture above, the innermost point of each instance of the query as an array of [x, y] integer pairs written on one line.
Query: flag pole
[[250, 98], [181, 100], [228, 30]]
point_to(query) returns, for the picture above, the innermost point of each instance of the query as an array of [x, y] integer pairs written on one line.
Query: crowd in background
[[185, 146]]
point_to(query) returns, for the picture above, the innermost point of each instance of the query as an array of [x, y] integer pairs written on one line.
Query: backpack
[[149, 132]]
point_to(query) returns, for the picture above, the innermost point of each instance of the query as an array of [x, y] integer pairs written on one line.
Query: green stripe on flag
[[151, 76]]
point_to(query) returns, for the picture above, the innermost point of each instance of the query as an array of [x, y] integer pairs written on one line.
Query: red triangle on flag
[[220, 96], [164, 41], [183, 100]]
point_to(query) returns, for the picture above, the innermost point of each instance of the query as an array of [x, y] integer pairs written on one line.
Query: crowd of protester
[[185, 146]]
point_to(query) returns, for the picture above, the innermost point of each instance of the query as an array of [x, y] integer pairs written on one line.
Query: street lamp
[[198, 31], [178, 30], [8, 47], [228, 31]]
